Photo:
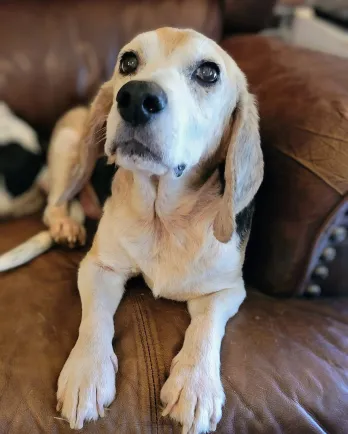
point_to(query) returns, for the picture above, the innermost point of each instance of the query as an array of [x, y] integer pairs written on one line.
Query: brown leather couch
[[284, 359]]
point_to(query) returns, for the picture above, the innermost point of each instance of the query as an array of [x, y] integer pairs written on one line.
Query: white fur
[[87, 382], [14, 129], [26, 203], [25, 252]]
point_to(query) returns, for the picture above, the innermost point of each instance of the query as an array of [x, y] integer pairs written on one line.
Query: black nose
[[139, 101]]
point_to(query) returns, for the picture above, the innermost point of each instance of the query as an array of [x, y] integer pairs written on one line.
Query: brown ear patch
[[172, 38], [244, 164]]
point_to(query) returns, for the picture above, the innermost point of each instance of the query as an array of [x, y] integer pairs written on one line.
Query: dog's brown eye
[[129, 63], [207, 73]]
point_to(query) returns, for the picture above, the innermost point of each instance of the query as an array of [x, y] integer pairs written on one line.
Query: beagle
[[183, 129]]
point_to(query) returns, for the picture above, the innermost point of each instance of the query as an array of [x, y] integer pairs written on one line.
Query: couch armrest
[[298, 242]]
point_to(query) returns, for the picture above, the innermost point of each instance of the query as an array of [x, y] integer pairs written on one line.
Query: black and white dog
[[21, 166], [26, 179]]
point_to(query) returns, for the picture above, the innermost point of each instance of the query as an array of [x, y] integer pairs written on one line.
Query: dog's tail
[[26, 251]]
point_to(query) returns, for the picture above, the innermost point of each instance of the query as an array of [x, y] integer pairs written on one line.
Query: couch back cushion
[[56, 54], [241, 16], [299, 241]]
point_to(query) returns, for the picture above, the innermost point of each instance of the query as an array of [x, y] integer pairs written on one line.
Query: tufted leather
[[303, 99]]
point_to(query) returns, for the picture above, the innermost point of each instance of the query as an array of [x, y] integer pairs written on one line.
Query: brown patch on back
[[173, 38], [74, 119]]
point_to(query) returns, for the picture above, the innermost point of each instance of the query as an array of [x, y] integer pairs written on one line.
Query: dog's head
[[175, 100]]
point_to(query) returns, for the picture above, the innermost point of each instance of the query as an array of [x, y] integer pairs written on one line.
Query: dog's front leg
[[87, 382], [193, 393]]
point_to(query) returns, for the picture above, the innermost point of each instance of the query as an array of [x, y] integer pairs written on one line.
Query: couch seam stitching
[[138, 314], [150, 362], [156, 359]]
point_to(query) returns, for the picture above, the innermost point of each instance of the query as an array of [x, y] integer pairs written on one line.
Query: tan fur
[[63, 150], [243, 153], [170, 40], [62, 159], [90, 145]]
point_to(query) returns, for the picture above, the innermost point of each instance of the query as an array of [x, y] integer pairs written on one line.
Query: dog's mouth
[[134, 148]]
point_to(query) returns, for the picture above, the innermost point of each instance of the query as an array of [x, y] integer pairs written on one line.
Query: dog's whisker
[[100, 133], [100, 136], [100, 140], [103, 129]]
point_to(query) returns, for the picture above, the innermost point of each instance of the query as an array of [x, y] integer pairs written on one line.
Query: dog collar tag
[[179, 170]]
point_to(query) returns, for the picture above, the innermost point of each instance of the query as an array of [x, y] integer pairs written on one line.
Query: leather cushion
[[284, 362], [303, 100]]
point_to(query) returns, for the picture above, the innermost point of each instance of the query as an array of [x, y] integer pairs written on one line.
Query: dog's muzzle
[[140, 101]]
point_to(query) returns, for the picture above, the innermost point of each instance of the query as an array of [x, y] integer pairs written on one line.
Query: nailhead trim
[[321, 268], [325, 255], [338, 234], [329, 254], [313, 289], [321, 271]]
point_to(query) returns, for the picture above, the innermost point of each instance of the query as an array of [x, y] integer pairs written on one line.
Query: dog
[[21, 164], [183, 129], [26, 179]]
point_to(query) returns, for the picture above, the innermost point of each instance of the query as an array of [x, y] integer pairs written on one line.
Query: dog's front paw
[[193, 395], [86, 384], [65, 230]]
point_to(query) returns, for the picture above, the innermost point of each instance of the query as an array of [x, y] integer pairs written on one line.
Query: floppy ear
[[243, 165], [92, 141]]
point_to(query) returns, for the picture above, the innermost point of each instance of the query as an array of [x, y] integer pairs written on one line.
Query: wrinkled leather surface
[[303, 99], [284, 362], [56, 54]]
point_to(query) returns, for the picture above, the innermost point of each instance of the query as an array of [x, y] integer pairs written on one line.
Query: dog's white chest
[[175, 251], [184, 264]]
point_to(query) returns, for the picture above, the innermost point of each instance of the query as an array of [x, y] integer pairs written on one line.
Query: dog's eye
[[128, 63], [207, 73]]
